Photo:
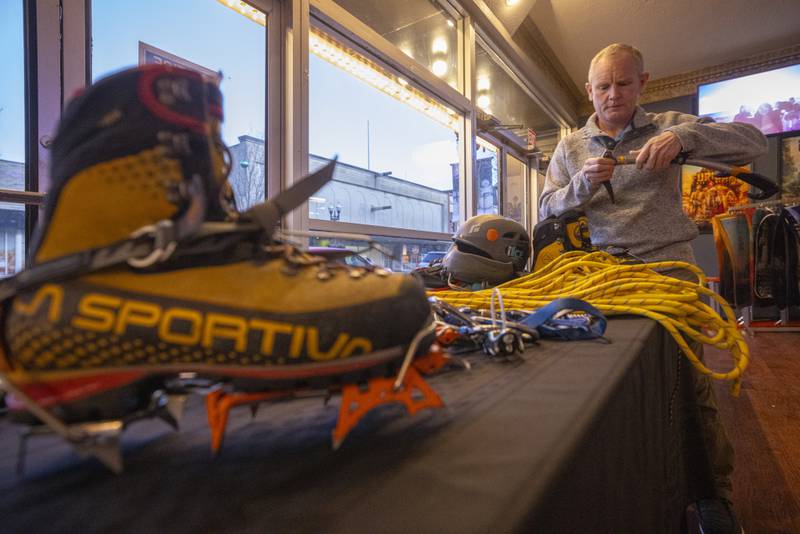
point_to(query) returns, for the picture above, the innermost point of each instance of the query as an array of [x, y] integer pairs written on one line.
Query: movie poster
[[704, 194], [790, 167]]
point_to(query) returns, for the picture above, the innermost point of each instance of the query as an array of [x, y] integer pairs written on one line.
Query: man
[[647, 219]]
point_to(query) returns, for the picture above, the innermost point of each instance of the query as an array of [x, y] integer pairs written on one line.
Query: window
[[397, 146], [514, 189], [204, 35], [404, 254], [12, 136], [502, 96], [421, 29], [486, 176]]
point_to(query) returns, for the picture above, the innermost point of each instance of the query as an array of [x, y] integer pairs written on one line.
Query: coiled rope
[[617, 288]]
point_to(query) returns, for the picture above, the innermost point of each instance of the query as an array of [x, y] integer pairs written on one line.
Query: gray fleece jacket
[[647, 218]]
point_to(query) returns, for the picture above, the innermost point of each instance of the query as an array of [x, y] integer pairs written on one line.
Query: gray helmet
[[488, 248]]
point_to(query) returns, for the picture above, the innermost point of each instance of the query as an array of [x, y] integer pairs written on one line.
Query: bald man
[[647, 220]]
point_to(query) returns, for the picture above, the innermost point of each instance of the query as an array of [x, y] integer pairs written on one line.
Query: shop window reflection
[[421, 29], [486, 176], [514, 192], [501, 96]]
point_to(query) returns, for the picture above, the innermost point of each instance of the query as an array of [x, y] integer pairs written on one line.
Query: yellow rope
[[616, 288]]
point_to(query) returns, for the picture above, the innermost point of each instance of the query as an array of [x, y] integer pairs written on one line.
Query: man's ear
[[588, 87], [643, 79]]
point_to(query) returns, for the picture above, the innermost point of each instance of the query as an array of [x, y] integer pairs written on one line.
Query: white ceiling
[[675, 36]]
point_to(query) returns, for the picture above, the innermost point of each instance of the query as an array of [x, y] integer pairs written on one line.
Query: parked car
[[430, 257], [343, 255]]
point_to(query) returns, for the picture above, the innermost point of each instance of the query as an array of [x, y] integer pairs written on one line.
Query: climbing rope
[[617, 288]]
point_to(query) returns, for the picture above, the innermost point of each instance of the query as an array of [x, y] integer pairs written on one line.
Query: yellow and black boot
[[556, 235], [223, 300]]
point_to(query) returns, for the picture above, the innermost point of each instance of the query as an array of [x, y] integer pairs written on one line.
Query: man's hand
[[598, 170], [658, 152]]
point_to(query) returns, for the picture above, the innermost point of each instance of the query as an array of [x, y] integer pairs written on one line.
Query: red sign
[[149, 54], [531, 139]]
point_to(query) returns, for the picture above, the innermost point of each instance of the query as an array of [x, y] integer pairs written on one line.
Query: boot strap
[[147, 246]]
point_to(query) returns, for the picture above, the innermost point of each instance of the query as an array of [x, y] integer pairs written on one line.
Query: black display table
[[575, 437]]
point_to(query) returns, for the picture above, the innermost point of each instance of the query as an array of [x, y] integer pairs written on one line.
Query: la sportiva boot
[[141, 271]]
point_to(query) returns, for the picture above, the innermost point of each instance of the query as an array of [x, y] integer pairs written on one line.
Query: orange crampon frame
[[357, 401]]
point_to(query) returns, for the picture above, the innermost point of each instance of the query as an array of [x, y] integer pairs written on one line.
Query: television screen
[[768, 100]]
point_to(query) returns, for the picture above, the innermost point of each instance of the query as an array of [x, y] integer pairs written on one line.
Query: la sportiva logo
[[186, 326]]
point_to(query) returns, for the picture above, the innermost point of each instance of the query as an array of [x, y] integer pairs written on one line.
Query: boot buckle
[[164, 243]]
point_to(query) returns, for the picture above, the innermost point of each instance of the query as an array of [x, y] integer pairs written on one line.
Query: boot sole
[[54, 389]]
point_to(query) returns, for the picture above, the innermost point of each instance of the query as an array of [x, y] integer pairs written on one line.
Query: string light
[[482, 86], [439, 45], [439, 67], [243, 8], [367, 71]]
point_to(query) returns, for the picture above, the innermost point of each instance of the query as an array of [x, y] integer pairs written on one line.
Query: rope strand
[[617, 288]]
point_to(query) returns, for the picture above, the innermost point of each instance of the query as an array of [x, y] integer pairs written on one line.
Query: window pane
[[12, 238], [208, 36], [486, 173], [12, 136], [397, 148], [420, 28], [498, 94], [514, 192], [12, 97], [537, 184], [407, 253]]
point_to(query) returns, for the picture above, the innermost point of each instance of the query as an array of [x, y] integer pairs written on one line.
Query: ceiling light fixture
[[439, 67]]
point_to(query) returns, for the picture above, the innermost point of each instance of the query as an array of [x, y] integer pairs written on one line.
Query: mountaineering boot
[[135, 148], [220, 297]]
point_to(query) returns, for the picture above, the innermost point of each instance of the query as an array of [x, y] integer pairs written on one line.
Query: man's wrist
[[683, 138]]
